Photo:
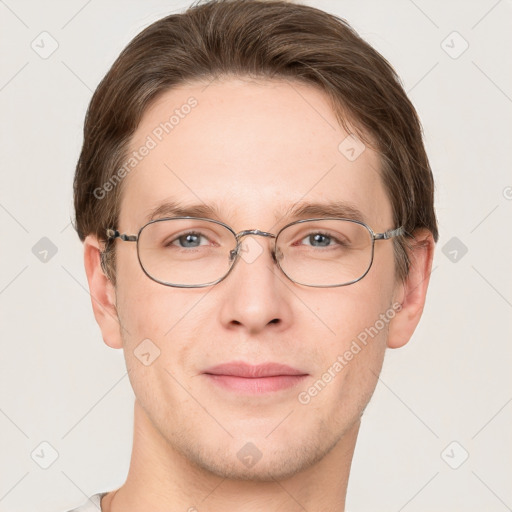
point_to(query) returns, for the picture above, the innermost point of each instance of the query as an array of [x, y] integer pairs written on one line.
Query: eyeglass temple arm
[[389, 234], [112, 234]]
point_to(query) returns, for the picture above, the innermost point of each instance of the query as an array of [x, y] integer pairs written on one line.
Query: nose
[[255, 294]]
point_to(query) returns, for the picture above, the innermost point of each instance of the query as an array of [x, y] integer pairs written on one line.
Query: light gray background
[[60, 384]]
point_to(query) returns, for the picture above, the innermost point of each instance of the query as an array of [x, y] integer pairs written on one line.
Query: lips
[[241, 369], [241, 377]]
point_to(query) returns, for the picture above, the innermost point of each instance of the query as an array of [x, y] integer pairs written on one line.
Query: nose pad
[[277, 255]]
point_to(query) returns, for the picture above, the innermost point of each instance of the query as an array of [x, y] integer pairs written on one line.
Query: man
[[256, 207]]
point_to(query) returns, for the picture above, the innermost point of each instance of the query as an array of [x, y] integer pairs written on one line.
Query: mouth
[[241, 377]]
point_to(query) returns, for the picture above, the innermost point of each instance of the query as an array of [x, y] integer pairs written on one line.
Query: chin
[[259, 459]]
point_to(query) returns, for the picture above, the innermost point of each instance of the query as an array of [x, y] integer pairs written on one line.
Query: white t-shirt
[[92, 504]]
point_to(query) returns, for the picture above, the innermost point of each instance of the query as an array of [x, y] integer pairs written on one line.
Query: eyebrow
[[340, 209], [172, 208]]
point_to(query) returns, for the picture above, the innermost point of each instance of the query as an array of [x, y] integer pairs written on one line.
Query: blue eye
[[189, 240], [319, 240]]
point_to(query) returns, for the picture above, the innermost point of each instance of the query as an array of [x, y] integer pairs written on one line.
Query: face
[[253, 150]]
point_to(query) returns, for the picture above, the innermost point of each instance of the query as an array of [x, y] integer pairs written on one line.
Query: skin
[[249, 147]]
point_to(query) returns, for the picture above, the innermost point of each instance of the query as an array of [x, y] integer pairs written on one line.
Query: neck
[[161, 478]]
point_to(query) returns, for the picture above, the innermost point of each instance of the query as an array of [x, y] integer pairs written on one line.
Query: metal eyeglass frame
[[112, 234]]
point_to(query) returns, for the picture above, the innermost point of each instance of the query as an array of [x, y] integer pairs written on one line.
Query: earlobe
[[103, 294], [412, 292]]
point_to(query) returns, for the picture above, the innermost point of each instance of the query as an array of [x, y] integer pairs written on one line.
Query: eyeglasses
[[194, 252]]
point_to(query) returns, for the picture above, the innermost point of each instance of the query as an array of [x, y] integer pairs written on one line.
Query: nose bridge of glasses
[[247, 232], [250, 232]]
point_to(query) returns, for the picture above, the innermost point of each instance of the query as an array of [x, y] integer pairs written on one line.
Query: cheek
[[161, 321], [349, 361], [358, 345], [146, 308], [348, 312], [156, 331], [349, 353]]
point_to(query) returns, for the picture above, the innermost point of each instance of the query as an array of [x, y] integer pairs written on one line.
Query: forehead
[[249, 152]]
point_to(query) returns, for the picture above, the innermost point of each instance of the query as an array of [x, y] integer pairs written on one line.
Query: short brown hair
[[261, 39]]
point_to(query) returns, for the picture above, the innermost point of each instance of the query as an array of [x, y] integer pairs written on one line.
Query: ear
[[412, 292], [103, 294]]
